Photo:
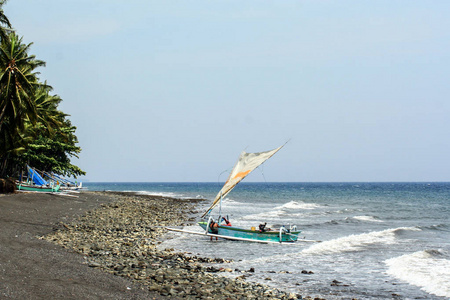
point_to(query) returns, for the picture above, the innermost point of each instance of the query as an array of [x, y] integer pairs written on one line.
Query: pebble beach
[[118, 236]]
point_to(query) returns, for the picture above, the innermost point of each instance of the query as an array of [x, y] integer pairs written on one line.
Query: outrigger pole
[[237, 238], [224, 237]]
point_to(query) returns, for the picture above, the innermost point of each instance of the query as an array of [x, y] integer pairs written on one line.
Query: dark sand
[[31, 268]]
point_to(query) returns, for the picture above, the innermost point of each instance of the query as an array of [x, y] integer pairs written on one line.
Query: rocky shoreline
[[121, 238]]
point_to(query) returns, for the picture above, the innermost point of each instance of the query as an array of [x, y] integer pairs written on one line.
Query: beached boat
[[35, 183], [36, 188], [65, 184], [246, 163]]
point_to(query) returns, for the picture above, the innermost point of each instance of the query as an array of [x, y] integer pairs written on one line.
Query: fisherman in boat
[[227, 223], [262, 227]]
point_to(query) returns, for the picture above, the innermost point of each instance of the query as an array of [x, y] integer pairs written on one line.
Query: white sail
[[246, 163]]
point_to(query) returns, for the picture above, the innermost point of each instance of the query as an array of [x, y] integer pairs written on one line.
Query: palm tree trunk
[[3, 165], [1, 117]]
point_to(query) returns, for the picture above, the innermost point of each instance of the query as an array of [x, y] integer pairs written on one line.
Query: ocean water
[[378, 240]]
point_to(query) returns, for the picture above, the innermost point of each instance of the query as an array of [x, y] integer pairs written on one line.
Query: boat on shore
[[65, 184], [36, 183], [36, 188]]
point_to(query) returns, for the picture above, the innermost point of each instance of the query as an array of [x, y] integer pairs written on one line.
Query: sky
[[173, 91]]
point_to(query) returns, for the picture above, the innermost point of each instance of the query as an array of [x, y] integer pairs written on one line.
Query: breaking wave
[[162, 194], [291, 208], [367, 218], [429, 270], [298, 205], [356, 242]]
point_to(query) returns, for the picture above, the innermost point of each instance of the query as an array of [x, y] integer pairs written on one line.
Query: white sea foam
[[367, 218], [428, 269], [171, 195], [298, 205], [283, 210], [356, 242]]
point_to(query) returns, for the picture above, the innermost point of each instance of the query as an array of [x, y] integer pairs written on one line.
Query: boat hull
[[272, 236], [30, 188]]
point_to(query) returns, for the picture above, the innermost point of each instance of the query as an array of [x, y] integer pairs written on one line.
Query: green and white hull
[[35, 188], [283, 235]]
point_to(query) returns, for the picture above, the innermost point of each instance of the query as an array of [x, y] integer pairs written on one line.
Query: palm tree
[[34, 143], [3, 22], [12, 147], [47, 109], [32, 128], [18, 82]]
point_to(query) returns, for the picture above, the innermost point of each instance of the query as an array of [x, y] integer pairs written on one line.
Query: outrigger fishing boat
[[35, 183], [65, 184], [246, 163], [34, 188]]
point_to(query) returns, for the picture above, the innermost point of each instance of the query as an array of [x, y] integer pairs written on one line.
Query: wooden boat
[[37, 188], [35, 183], [246, 163], [282, 235], [65, 184]]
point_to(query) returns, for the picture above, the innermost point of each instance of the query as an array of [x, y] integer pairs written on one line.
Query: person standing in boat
[[262, 227], [227, 223]]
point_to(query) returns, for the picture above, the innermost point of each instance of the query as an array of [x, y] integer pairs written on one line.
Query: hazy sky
[[175, 90]]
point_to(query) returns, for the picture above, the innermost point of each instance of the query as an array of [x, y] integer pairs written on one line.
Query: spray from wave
[[429, 270], [367, 219], [344, 244], [297, 205], [286, 209], [161, 194], [356, 242]]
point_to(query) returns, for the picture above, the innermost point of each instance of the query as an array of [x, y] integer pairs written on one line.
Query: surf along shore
[[104, 245]]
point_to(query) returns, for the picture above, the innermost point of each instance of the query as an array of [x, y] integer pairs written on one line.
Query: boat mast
[[220, 208]]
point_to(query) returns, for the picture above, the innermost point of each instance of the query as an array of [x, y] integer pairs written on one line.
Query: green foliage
[[53, 153], [4, 22], [18, 82], [32, 129]]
